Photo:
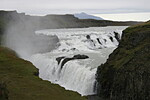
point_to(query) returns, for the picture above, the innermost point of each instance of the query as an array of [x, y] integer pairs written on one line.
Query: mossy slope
[[126, 74], [21, 83]]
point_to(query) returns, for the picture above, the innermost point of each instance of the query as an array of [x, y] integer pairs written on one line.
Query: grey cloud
[[71, 6]]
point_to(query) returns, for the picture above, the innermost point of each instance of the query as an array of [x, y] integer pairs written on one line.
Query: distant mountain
[[86, 16]]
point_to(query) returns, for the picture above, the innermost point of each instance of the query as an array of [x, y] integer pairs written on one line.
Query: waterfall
[[76, 74]]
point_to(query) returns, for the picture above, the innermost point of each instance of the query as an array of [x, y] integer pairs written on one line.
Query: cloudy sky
[[42, 7]]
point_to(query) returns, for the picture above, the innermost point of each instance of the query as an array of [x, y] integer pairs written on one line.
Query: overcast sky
[[42, 7]]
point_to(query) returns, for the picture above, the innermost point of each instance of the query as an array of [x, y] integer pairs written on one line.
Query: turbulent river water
[[77, 75]]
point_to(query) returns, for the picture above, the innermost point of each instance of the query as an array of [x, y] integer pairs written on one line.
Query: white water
[[76, 75]]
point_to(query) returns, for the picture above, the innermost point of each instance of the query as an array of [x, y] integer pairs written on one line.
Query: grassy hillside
[[126, 74], [19, 78], [18, 81]]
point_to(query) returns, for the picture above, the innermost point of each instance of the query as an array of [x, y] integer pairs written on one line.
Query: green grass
[[22, 84], [17, 76], [126, 74]]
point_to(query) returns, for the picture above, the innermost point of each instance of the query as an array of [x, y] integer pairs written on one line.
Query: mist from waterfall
[[77, 75], [20, 36], [44, 47]]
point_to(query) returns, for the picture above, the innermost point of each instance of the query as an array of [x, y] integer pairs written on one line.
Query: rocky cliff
[[126, 74]]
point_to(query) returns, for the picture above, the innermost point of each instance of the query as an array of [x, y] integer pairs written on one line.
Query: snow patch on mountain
[[87, 16]]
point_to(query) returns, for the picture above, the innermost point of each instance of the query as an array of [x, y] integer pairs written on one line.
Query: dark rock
[[3, 91], [88, 37], [94, 97], [126, 74], [65, 61], [73, 49], [117, 36], [105, 40], [78, 56], [111, 38], [59, 59], [99, 41]]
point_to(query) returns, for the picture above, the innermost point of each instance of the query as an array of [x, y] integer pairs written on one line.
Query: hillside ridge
[[126, 74]]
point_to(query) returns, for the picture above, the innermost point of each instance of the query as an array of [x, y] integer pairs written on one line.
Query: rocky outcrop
[[59, 59], [126, 74], [66, 59], [117, 36]]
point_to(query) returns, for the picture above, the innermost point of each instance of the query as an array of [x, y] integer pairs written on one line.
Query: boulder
[[65, 59], [117, 36], [111, 38], [99, 41], [59, 59]]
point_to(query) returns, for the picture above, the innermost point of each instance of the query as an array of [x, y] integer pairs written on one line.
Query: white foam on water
[[76, 75]]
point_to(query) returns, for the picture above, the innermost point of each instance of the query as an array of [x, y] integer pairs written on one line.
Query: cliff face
[[126, 74]]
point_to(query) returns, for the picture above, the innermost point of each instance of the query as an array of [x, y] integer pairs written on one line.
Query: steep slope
[[19, 78], [126, 74], [19, 81]]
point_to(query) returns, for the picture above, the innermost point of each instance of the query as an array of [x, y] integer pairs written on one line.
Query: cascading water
[[77, 74]]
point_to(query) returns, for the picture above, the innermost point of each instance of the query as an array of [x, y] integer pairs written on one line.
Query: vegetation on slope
[[19, 78], [2, 27], [126, 74], [19, 81]]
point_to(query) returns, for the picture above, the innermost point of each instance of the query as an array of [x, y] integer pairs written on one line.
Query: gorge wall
[[126, 74]]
